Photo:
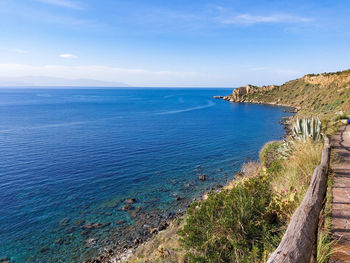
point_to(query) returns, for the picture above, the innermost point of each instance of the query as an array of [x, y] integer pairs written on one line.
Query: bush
[[284, 203], [269, 153], [272, 152], [246, 222], [343, 116], [233, 225]]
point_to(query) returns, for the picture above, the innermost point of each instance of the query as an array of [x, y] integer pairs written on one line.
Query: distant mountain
[[42, 81]]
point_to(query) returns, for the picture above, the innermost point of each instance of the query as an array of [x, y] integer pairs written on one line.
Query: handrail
[[298, 242]]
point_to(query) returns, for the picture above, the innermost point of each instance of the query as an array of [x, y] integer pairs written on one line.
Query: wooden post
[[298, 241]]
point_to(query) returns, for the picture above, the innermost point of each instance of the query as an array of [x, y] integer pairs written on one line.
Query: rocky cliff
[[322, 93], [327, 79], [240, 94]]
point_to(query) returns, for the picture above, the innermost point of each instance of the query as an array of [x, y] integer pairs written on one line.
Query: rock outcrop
[[326, 79], [239, 94]]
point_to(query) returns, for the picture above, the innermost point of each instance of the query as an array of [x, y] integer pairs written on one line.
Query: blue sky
[[223, 43]]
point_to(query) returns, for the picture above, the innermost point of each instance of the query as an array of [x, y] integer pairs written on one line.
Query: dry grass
[[250, 168], [163, 247], [298, 168]]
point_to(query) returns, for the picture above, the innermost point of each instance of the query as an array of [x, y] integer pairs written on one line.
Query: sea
[[69, 158]]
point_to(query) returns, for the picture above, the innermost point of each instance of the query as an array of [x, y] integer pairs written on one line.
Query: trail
[[341, 196]]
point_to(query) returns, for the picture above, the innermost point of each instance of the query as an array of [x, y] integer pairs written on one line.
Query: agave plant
[[304, 129]]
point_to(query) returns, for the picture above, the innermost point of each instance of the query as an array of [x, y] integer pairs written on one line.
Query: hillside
[[320, 94]]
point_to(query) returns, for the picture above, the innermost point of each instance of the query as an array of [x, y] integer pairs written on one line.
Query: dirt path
[[341, 195]]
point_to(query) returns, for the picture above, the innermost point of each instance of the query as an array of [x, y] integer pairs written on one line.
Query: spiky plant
[[304, 129]]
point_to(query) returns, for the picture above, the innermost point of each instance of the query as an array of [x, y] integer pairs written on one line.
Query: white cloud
[[68, 56], [247, 19], [62, 3], [20, 51]]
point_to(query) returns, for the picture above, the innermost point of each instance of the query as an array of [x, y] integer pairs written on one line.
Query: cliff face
[[317, 94], [326, 79], [239, 94]]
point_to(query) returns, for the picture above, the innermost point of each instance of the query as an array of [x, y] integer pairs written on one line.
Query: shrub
[[233, 225], [270, 153], [245, 222], [284, 203]]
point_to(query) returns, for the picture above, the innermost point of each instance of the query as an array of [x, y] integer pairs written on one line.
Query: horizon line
[[116, 87]]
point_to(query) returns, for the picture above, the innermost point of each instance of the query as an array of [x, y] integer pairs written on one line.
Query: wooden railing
[[298, 244]]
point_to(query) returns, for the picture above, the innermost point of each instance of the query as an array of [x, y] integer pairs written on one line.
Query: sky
[[173, 43]]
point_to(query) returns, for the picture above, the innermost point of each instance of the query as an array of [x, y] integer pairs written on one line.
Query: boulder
[[126, 207], [163, 225], [130, 201], [202, 177]]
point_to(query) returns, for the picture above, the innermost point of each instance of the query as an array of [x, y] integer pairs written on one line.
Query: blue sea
[[69, 158]]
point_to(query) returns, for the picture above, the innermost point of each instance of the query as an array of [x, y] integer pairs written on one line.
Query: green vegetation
[[246, 220], [232, 226], [319, 95], [304, 129], [245, 223], [342, 116]]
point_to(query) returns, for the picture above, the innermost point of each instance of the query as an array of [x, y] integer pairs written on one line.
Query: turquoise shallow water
[[70, 157]]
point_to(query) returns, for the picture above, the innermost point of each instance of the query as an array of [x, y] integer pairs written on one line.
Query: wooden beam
[[298, 241]]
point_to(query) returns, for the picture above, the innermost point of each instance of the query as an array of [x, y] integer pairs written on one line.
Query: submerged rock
[[130, 201], [152, 200], [202, 177], [59, 241], [134, 212], [79, 222], [91, 242], [90, 225], [120, 222], [84, 232], [44, 250], [64, 222], [5, 260], [126, 207]]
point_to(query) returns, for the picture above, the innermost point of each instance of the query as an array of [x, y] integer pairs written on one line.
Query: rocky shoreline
[[120, 244], [150, 223], [285, 121], [146, 224], [241, 94]]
